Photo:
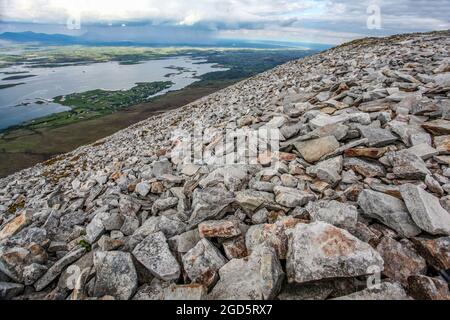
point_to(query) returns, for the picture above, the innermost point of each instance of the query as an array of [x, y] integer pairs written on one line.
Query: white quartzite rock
[[321, 251]]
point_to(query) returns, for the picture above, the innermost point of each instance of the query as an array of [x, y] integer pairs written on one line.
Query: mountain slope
[[361, 187]]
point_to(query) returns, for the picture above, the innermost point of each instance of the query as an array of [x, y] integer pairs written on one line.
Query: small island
[[10, 85], [19, 77]]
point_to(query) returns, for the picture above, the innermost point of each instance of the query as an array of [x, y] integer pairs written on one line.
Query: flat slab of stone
[[437, 127], [209, 203], [389, 210], [407, 165], [368, 169], [424, 151], [426, 210], [313, 150], [16, 224], [58, 267], [252, 200], [377, 137], [442, 144]]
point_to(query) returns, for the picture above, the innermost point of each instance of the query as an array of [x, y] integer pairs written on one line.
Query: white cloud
[[331, 21]]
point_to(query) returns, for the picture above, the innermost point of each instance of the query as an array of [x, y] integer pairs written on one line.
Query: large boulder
[[388, 210], [321, 251], [426, 210]]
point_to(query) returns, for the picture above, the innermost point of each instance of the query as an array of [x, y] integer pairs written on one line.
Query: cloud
[[330, 21]]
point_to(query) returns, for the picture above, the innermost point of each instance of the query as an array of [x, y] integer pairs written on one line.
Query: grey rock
[[313, 150], [154, 254], [161, 167], [258, 277], [368, 169], [385, 291], [389, 211], [426, 210], [339, 214], [190, 292], [95, 229], [328, 170], [143, 189], [184, 242], [152, 291], [130, 225], [292, 198], [114, 221], [33, 272], [203, 262], [116, 275], [377, 137], [252, 201], [209, 203], [55, 270], [10, 290], [128, 206], [408, 166], [424, 151], [170, 227], [164, 204]]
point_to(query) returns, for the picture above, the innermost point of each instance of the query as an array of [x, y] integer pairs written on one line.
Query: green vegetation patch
[[98, 100]]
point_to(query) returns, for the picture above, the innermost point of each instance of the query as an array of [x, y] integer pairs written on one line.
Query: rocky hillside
[[356, 207]]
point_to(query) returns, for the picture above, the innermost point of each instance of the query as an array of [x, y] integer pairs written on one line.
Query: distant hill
[[39, 37], [60, 39]]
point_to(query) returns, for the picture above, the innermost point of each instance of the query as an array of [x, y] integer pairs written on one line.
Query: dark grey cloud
[[331, 21]]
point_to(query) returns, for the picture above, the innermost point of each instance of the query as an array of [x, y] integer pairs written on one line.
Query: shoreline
[[23, 148]]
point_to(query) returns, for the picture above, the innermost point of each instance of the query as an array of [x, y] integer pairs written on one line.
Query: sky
[[316, 21]]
